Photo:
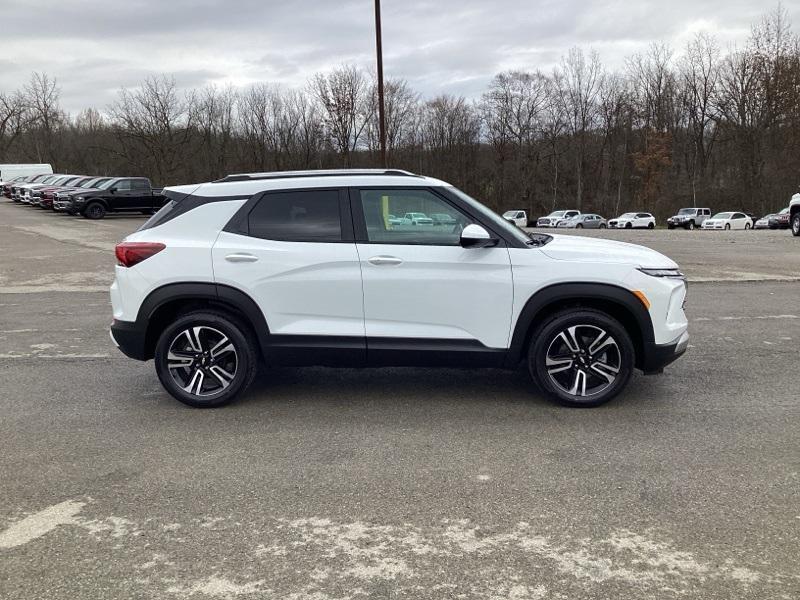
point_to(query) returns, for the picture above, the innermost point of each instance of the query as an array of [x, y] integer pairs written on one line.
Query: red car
[[781, 220], [45, 200]]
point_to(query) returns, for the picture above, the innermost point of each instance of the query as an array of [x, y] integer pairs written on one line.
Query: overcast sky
[[94, 47]]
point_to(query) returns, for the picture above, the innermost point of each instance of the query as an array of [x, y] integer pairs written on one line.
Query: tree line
[[700, 126]]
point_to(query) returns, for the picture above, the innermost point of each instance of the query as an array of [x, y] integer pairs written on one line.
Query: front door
[[421, 288]]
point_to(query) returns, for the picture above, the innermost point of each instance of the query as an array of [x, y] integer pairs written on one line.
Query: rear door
[[141, 194], [420, 286], [293, 252]]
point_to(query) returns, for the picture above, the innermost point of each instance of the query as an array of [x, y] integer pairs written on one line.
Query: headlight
[[669, 272]]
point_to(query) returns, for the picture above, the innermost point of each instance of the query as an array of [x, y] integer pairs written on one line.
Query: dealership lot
[[407, 483]]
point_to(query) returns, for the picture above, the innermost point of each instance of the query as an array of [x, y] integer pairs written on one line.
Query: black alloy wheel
[[581, 358], [206, 359]]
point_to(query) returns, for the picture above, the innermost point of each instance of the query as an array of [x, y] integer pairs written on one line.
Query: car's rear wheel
[[581, 358], [796, 224], [651, 226], [206, 359], [94, 210], [746, 226], [602, 226]]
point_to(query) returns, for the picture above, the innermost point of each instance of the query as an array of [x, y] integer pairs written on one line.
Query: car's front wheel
[[581, 358], [205, 359], [796, 224], [94, 210], [690, 226]]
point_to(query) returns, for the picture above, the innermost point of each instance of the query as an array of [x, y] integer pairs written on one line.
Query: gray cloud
[[95, 47]]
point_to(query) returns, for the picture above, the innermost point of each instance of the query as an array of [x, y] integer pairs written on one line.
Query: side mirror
[[112, 190], [475, 236]]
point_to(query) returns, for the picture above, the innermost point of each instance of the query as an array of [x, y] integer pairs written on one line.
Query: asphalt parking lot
[[396, 483]]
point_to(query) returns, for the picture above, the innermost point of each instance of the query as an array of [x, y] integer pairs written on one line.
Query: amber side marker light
[[642, 298]]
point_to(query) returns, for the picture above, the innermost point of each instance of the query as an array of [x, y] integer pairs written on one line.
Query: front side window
[[123, 185], [411, 216], [297, 216]]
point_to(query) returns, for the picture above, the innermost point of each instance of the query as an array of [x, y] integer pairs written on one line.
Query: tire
[[727, 226], [670, 226], [796, 224], [94, 210], [235, 370], [588, 327], [690, 226], [628, 225], [651, 226], [746, 226], [603, 226], [578, 226]]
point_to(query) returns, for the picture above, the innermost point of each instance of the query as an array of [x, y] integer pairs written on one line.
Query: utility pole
[[381, 110]]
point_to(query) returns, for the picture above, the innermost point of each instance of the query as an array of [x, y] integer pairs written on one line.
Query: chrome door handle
[[385, 260], [241, 257]]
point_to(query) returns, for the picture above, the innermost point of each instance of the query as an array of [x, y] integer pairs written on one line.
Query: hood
[[585, 249]]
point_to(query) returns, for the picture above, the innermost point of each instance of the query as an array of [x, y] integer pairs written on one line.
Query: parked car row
[[687, 218], [89, 196]]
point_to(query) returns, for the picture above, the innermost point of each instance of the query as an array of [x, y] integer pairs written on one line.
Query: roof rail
[[314, 173]]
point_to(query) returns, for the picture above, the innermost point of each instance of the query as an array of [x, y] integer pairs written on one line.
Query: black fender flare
[[210, 292], [561, 293]]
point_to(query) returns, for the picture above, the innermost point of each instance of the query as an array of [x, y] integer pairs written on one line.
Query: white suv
[[308, 268]]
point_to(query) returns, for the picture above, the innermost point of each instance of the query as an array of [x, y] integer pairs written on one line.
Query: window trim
[[360, 222], [239, 222]]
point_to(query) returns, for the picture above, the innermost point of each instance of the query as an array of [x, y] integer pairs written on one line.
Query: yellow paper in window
[[385, 212]]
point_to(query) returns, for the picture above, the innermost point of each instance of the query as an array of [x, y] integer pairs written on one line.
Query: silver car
[[584, 221]]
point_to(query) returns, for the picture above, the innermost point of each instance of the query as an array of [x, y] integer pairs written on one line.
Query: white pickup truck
[[517, 217], [794, 212]]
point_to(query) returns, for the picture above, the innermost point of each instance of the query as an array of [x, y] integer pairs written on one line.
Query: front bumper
[[658, 356]]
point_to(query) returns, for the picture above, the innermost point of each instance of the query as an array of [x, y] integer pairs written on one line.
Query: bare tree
[[153, 126], [577, 83], [344, 96]]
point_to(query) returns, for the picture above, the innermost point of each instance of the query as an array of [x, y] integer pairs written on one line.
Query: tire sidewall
[[796, 224], [546, 333], [88, 211], [245, 351]]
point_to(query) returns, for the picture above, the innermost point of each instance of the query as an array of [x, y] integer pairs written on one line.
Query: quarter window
[[302, 216], [411, 216]]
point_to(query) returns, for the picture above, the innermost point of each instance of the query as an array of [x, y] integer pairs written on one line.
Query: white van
[[9, 172]]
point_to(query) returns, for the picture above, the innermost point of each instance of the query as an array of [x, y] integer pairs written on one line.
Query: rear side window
[[297, 216], [140, 184]]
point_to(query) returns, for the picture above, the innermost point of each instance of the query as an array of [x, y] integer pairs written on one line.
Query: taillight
[[132, 253]]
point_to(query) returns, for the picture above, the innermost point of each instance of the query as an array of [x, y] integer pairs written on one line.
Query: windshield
[[558, 213], [783, 211], [628, 216], [498, 222], [722, 216], [106, 185], [687, 211], [510, 214]]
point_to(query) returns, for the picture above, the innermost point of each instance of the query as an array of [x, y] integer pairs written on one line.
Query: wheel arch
[[164, 304], [618, 302]]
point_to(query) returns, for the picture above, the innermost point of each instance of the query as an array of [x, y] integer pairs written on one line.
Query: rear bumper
[[129, 338], [658, 356]]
